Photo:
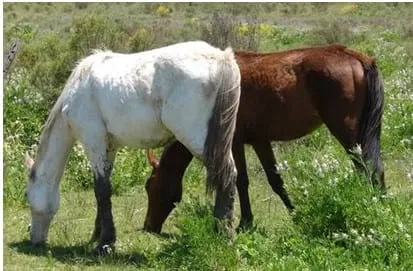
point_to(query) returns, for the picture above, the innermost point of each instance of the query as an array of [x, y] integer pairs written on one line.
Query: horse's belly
[[138, 126]]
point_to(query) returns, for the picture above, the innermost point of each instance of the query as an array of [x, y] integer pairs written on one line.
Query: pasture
[[340, 222]]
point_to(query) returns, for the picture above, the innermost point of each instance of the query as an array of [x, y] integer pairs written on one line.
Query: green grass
[[340, 223]]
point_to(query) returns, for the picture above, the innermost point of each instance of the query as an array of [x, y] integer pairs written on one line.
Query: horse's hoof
[[226, 229], [104, 250], [41, 245], [245, 226]]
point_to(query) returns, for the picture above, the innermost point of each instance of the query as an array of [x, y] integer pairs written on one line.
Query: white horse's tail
[[221, 127]]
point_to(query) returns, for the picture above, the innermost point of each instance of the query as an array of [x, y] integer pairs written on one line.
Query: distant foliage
[[223, 30], [142, 39], [334, 31], [163, 10], [96, 32]]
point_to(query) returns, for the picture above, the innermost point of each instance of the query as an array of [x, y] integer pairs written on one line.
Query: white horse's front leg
[[96, 236], [101, 156]]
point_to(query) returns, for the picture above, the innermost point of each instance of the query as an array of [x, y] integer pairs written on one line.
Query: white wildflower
[[401, 226], [357, 149], [353, 232]]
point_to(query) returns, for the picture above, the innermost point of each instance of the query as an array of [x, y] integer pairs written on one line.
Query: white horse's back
[[142, 96]]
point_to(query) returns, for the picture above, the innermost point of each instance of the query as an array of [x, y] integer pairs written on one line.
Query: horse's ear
[[29, 161], [152, 159]]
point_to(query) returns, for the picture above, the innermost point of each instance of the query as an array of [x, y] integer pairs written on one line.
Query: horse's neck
[[54, 148]]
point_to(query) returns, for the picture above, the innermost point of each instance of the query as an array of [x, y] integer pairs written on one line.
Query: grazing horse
[[187, 92], [284, 96]]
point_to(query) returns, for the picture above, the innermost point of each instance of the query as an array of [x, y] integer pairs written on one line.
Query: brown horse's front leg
[[265, 154]]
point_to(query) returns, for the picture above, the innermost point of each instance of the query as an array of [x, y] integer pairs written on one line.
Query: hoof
[[151, 230], [104, 250], [245, 226], [225, 228], [41, 245]]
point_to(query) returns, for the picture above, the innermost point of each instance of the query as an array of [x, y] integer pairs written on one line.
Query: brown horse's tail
[[370, 124], [218, 159]]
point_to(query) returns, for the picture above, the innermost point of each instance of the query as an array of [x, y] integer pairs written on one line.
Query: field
[[341, 223]]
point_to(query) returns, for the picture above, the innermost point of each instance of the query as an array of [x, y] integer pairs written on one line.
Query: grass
[[340, 222]]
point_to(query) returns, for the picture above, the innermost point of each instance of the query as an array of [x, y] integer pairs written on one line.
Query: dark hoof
[[245, 226], [291, 210], [225, 228], [152, 230], [104, 250], [39, 245]]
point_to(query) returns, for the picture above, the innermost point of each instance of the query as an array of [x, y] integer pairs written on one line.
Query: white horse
[[187, 92]]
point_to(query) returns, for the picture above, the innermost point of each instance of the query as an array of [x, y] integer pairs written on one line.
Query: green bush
[[333, 31], [95, 32], [24, 114], [142, 40], [224, 30]]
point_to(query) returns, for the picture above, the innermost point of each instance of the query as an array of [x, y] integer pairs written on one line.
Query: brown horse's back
[[289, 94]]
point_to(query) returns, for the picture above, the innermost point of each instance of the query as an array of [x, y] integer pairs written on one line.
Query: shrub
[[223, 30], [96, 32], [333, 31], [142, 40], [163, 10]]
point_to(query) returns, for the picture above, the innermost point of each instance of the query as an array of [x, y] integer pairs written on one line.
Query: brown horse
[[284, 96]]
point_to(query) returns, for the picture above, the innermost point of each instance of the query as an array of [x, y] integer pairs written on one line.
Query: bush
[[163, 10], [24, 114], [96, 32], [333, 31], [223, 30], [142, 40]]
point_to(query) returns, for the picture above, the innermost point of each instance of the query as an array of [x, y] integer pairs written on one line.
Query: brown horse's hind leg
[[340, 118], [351, 105], [265, 154], [242, 186]]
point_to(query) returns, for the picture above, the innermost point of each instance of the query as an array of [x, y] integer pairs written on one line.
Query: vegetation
[[340, 222]]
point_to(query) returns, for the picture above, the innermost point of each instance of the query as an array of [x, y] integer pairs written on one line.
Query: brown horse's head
[[158, 207]]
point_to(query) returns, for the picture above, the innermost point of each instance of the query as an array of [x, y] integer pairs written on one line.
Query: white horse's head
[[42, 206]]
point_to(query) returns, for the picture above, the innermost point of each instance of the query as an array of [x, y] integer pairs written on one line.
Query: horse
[[141, 100], [284, 96]]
